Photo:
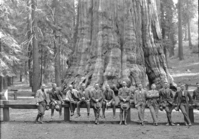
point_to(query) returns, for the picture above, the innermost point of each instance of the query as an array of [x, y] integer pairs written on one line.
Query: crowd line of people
[[97, 98]]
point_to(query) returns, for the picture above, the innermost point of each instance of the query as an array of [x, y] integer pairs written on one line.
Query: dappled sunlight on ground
[[187, 70]]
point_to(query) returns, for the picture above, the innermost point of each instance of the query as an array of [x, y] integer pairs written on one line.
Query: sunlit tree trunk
[[118, 40]]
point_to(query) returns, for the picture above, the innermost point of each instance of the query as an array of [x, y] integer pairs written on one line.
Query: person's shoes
[[189, 124], [156, 124], [167, 124], [142, 123], [41, 122], [78, 115], [72, 114], [172, 124], [120, 122], [36, 122], [125, 123]]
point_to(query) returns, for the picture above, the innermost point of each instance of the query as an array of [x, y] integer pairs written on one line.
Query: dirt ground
[[22, 126]]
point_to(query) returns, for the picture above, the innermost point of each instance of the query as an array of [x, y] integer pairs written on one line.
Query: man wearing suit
[[140, 102], [41, 102], [56, 100], [124, 95], [84, 97], [182, 97], [109, 100], [152, 98], [166, 102], [96, 99], [72, 97], [196, 96]]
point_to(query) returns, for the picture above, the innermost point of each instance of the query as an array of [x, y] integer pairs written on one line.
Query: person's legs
[[103, 108], [88, 108], [184, 112], [121, 115], [156, 108], [142, 109], [152, 113], [60, 108], [42, 108], [39, 113], [52, 109], [168, 112], [98, 114], [113, 105], [140, 113], [78, 108]]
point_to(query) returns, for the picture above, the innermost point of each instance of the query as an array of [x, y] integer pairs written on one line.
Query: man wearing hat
[[56, 100], [196, 96], [166, 102], [140, 102], [183, 98], [41, 102], [96, 100], [109, 100], [124, 95], [84, 97]]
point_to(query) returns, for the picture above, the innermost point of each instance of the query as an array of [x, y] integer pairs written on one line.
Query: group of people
[[97, 98]]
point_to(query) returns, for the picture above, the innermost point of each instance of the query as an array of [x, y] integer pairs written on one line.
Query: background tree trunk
[[189, 34], [36, 69], [124, 44], [186, 32], [57, 42], [180, 47], [29, 28]]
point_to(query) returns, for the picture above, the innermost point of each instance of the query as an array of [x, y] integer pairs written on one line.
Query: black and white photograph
[[99, 69]]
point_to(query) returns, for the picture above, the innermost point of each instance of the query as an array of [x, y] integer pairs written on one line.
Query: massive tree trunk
[[36, 69], [118, 40]]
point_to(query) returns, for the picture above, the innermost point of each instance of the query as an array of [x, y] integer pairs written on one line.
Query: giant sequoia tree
[[118, 40]]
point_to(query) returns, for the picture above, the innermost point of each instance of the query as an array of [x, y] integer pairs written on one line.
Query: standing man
[[56, 100], [124, 95], [72, 96], [166, 102], [109, 100], [183, 98], [41, 102], [152, 97], [196, 96], [84, 97], [97, 98], [140, 102]]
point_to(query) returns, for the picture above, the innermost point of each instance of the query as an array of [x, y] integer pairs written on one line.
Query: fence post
[[66, 113], [6, 113]]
